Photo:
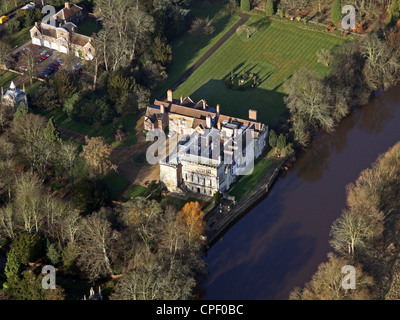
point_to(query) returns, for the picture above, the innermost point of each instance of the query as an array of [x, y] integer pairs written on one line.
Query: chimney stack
[[218, 109], [208, 122], [204, 104], [169, 95], [181, 99], [252, 115], [162, 108]]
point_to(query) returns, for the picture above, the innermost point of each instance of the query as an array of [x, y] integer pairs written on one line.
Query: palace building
[[204, 159]]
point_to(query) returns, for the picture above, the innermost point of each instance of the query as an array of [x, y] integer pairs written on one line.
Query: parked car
[[77, 66], [23, 67], [60, 62], [45, 54]]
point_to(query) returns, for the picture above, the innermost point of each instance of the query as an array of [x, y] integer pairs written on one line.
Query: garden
[[274, 52]]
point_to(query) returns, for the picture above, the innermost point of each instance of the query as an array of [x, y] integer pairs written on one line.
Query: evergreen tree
[[22, 111], [272, 139], [245, 5], [50, 132], [269, 8], [281, 142], [336, 12]]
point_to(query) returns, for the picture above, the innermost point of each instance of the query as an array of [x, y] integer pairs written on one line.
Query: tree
[[64, 85], [336, 12], [97, 155], [326, 283], [29, 60], [142, 25], [192, 217], [24, 249], [269, 8], [29, 193], [325, 57], [245, 5], [249, 30], [31, 143], [5, 50], [50, 132], [22, 111], [90, 195], [96, 246], [161, 50], [142, 216], [6, 115], [69, 157], [202, 27], [281, 142], [272, 139], [312, 105], [350, 232], [217, 198]]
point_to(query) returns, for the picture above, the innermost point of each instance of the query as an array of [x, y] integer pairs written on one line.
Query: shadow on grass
[[268, 103], [262, 24], [186, 48]]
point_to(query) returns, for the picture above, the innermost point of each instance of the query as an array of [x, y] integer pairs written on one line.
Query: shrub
[[90, 195], [245, 5], [269, 8], [336, 12]]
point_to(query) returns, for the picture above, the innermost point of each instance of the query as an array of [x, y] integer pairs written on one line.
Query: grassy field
[[89, 27], [188, 49], [116, 185], [135, 191], [18, 38], [106, 131], [6, 77], [248, 183], [274, 52]]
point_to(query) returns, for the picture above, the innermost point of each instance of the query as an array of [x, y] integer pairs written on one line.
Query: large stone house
[[63, 37], [197, 165]]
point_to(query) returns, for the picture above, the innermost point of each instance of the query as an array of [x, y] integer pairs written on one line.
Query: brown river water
[[279, 244]]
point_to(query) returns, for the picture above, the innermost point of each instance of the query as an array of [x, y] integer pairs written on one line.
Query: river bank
[[220, 218], [279, 243]]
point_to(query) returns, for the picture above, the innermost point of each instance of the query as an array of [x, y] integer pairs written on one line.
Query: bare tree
[[96, 239]]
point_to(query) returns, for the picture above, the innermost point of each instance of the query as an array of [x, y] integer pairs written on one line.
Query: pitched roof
[[67, 13], [79, 39], [201, 114]]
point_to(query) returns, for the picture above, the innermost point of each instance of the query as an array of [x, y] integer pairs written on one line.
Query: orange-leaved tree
[[192, 217]]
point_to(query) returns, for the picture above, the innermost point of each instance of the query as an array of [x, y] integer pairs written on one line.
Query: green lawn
[[116, 185], [248, 183], [274, 52], [89, 27], [106, 131], [6, 77], [18, 38], [135, 191], [188, 49]]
